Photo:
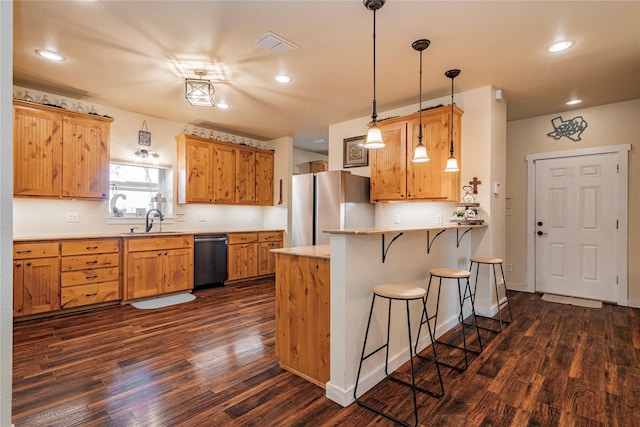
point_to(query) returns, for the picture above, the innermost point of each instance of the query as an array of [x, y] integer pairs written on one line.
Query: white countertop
[[375, 231], [317, 251]]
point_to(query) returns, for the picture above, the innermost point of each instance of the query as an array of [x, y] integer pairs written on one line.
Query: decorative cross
[[475, 184]]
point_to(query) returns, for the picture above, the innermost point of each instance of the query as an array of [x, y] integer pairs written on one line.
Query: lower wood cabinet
[[249, 254], [157, 265], [36, 278], [90, 272]]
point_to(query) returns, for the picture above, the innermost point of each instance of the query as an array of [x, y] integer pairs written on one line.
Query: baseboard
[[633, 303]]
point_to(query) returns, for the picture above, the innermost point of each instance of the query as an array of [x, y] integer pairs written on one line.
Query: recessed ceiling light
[[282, 78], [223, 105], [560, 46], [50, 55], [574, 102]]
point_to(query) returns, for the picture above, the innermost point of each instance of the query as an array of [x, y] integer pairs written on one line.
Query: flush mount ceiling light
[[222, 105], [452, 163], [374, 135], [560, 46], [50, 55], [199, 92], [574, 102], [282, 78], [420, 153]]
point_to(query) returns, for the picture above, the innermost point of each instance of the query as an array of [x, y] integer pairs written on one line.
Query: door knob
[[540, 233], [539, 223]]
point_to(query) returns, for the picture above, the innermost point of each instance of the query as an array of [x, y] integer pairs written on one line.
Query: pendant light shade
[[420, 154], [374, 135], [199, 92], [452, 163]]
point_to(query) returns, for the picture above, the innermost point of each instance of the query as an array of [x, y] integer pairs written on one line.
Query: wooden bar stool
[[493, 262], [450, 273], [406, 293]]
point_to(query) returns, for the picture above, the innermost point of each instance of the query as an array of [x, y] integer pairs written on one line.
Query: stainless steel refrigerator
[[328, 200]]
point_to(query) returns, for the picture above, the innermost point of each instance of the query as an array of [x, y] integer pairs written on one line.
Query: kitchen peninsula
[[358, 260]]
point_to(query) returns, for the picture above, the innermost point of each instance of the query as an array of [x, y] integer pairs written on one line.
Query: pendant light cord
[[374, 114], [451, 149], [420, 105]]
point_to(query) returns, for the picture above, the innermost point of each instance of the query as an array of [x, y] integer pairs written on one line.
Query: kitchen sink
[[152, 233]]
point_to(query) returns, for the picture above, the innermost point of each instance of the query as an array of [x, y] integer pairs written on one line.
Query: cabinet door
[[37, 153], [199, 172], [144, 274], [264, 178], [388, 164], [18, 287], [224, 185], [86, 158], [178, 270], [424, 180], [245, 176], [242, 261], [41, 285], [266, 259]]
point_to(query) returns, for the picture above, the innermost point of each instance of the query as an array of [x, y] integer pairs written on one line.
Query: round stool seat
[[485, 260], [399, 291], [450, 273]]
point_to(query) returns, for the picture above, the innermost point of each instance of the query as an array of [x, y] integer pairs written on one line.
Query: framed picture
[[355, 155]]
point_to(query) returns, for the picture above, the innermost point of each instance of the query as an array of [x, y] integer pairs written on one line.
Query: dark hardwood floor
[[211, 362]]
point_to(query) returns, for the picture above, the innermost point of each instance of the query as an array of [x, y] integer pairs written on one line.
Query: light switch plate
[[73, 217]]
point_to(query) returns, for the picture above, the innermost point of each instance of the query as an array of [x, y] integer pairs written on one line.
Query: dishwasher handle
[[210, 239]]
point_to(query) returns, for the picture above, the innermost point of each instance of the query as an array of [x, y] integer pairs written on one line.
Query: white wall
[[611, 124], [6, 193], [47, 217]]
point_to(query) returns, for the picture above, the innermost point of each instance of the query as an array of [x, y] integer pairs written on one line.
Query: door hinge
[[617, 168], [616, 280], [617, 220]]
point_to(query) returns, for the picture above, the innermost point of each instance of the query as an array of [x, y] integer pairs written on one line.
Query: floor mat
[[163, 301], [572, 300]]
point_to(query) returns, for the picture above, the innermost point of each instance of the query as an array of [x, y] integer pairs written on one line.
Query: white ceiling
[[131, 55]]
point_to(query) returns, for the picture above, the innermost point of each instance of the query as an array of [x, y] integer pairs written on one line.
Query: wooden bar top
[[375, 231], [317, 251]]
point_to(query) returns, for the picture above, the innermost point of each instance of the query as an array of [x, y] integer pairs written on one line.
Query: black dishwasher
[[209, 259]]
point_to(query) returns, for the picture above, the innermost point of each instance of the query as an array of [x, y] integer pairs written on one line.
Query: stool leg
[[506, 295], [464, 336], [413, 375], [475, 318], [425, 315], [364, 346]]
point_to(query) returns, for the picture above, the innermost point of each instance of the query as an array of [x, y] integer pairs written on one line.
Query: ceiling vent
[[275, 43]]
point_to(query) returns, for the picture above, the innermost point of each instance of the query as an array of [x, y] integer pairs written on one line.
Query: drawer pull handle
[[91, 262], [92, 277], [91, 295], [25, 252], [91, 247]]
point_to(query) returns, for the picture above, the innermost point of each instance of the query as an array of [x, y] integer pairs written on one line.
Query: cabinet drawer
[[76, 296], [35, 250], [270, 236], [136, 244], [84, 247], [236, 238], [81, 277], [80, 262]]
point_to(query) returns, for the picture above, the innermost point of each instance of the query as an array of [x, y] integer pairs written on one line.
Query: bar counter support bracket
[[460, 236], [386, 249], [430, 241]]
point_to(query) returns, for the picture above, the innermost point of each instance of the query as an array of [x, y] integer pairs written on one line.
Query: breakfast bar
[[359, 259]]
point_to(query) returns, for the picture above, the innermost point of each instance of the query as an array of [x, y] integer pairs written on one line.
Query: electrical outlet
[[202, 218], [73, 217], [179, 216], [396, 218], [439, 219], [508, 267]]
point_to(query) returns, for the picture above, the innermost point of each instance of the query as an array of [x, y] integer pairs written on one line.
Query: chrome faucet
[[149, 224]]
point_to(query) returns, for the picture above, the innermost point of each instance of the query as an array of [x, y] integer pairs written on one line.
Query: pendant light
[[374, 135], [420, 153], [452, 163], [199, 92]]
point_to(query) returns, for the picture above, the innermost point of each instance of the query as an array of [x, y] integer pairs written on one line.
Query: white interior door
[[576, 226]]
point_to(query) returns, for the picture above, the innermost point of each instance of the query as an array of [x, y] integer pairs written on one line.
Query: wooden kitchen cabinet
[[395, 177], [268, 240], [60, 153], [211, 171], [36, 278], [195, 170], [242, 255], [90, 272], [157, 265], [264, 178]]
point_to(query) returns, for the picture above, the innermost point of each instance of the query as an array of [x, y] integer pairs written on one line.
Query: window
[[134, 189]]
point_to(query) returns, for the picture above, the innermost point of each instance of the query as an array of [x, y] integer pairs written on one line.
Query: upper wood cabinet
[[395, 177], [224, 173], [59, 153]]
